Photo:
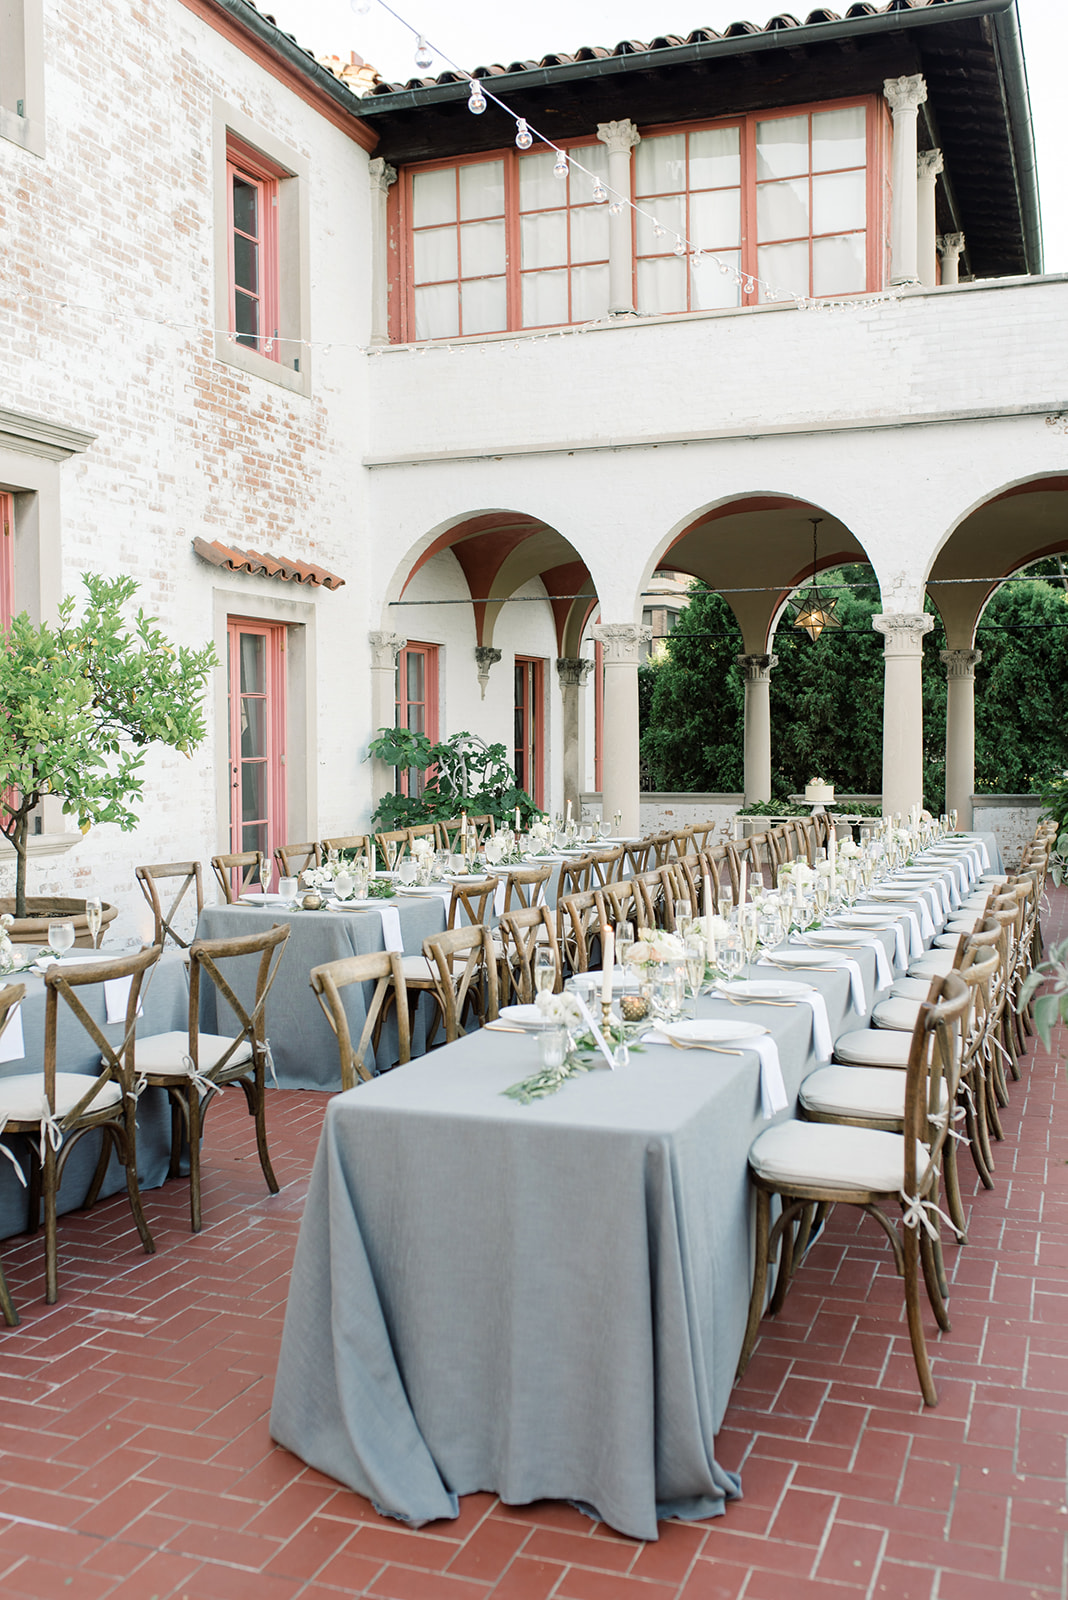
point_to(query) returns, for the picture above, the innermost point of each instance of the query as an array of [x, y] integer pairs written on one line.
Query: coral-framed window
[[491, 244], [256, 681], [252, 221], [496, 243], [788, 197], [529, 722], [7, 559], [417, 703]]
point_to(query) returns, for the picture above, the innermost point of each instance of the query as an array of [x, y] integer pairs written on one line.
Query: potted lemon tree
[[80, 702]]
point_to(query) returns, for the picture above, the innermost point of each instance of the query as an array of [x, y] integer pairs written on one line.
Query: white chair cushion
[[22, 1098], [896, 1013], [857, 1092], [974, 902], [959, 925], [163, 1053], [948, 941], [416, 968], [935, 964], [994, 879], [821, 1155], [874, 1047], [911, 988]]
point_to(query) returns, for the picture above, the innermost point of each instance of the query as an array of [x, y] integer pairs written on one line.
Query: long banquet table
[[544, 1300]]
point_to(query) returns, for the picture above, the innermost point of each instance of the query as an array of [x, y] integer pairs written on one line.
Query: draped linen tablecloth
[[303, 1048], [165, 1006]]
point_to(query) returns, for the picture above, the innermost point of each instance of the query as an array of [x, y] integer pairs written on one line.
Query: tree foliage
[[81, 702], [464, 774], [827, 696]]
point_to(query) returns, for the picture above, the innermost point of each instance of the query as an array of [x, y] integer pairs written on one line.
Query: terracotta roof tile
[[255, 562]]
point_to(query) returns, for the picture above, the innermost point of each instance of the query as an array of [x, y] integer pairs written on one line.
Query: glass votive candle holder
[[552, 1042]]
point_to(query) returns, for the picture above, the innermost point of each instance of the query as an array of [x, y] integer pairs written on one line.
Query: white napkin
[[772, 1088], [116, 998], [498, 898], [392, 937], [445, 891], [822, 1043], [12, 1044], [884, 977]]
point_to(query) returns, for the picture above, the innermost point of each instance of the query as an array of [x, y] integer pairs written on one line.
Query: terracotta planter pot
[[43, 909]]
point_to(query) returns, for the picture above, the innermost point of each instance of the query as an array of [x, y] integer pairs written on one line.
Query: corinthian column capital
[[573, 671], [960, 663], [620, 137], [758, 669], [905, 94], [381, 174], [929, 164], [903, 632], [622, 642], [385, 648]]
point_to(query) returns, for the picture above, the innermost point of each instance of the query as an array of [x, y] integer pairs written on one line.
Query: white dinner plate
[[264, 899], [900, 896], [590, 982], [762, 989], [413, 888], [356, 905], [794, 957], [833, 937], [523, 1016], [711, 1030], [856, 919], [469, 880]]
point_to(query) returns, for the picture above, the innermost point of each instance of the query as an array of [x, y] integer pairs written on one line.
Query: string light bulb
[[560, 170], [679, 246], [476, 100], [523, 136], [600, 193], [616, 207], [658, 231], [424, 56], [360, 7]]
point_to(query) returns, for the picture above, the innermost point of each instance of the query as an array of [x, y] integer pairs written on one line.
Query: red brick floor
[[135, 1460]]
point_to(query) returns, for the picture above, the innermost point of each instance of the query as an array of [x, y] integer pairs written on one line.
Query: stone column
[[385, 649], [622, 644], [905, 96], [572, 672], [381, 175], [757, 742], [960, 731], [928, 165], [903, 708], [950, 248], [620, 137]]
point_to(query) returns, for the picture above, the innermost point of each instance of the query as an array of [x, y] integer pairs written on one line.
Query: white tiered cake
[[818, 793]]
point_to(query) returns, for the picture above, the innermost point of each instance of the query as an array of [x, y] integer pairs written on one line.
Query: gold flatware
[[695, 1044]]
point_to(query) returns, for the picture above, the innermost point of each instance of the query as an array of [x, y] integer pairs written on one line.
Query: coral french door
[[257, 722], [529, 740]]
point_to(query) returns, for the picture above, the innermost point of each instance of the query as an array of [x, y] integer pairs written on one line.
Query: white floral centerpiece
[[541, 835], [502, 849], [849, 850], [653, 947], [560, 1010]]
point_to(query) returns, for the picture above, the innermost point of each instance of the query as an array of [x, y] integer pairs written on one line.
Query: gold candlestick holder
[[606, 1016]]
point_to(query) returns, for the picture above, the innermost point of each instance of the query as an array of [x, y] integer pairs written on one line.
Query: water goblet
[[60, 937], [407, 872], [287, 888], [343, 883], [730, 954], [94, 916]]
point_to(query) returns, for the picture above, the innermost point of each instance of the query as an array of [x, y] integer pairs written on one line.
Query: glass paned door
[[257, 721], [417, 704], [529, 723]]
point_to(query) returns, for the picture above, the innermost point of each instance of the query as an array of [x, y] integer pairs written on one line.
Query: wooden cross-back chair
[[479, 829], [473, 900], [638, 855], [574, 877], [382, 968], [753, 852], [244, 865], [392, 836], [463, 965], [423, 830], [606, 866], [193, 1066], [187, 874], [523, 886], [649, 895], [660, 845], [10, 996], [713, 862], [621, 902], [521, 934], [346, 844], [678, 888], [55, 1110], [809, 1164], [293, 859], [579, 919]]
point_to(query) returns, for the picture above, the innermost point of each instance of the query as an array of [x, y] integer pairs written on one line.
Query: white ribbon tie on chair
[[498, 898], [269, 1060], [915, 1215], [51, 1130], [12, 1043], [200, 1083], [11, 1155]]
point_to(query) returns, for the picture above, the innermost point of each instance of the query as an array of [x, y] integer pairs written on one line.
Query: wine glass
[[544, 970], [750, 930], [266, 868], [624, 940], [60, 937], [94, 916], [726, 904], [695, 964], [604, 829]]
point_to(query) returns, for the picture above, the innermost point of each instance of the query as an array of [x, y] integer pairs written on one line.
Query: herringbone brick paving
[[135, 1461]]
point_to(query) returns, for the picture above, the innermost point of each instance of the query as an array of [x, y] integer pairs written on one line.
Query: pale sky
[[478, 32]]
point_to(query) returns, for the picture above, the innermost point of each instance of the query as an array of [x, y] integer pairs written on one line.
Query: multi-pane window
[[252, 201], [417, 704], [504, 243], [529, 722], [811, 201], [689, 186]]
